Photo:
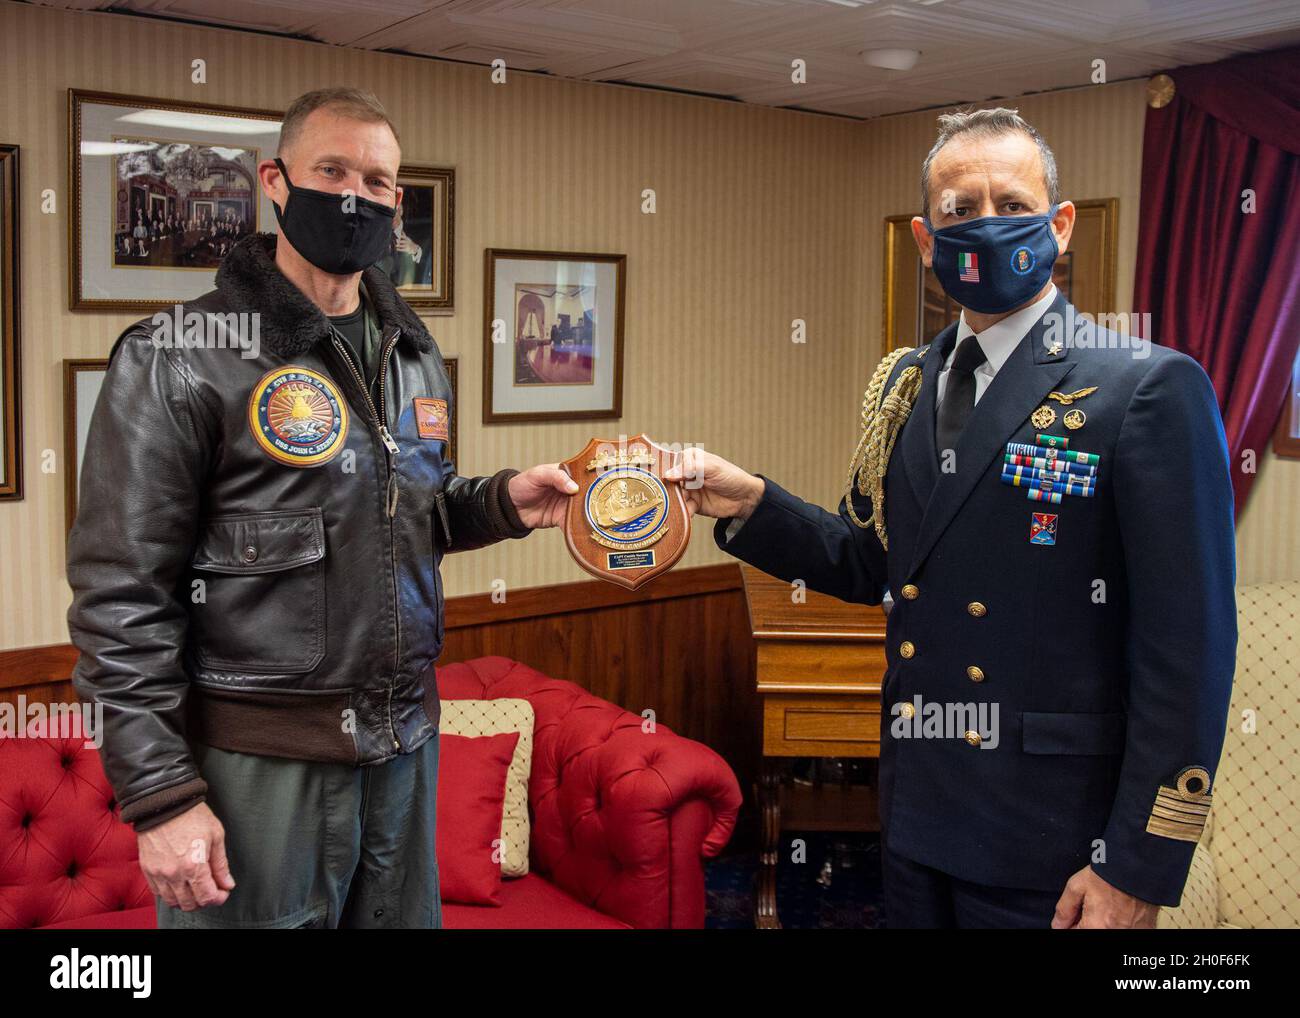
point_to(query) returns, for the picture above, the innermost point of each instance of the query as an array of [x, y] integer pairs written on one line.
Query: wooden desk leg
[[769, 802]]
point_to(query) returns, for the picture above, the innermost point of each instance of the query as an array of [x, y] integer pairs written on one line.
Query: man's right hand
[[714, 487], [184, 860]]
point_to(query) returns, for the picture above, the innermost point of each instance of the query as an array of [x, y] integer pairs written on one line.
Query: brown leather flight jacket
[[255, 558]]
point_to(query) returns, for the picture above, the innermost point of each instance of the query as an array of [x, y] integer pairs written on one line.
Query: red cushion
[[620, 818], [529, 903], [63, 852], [124, 919], [471, 801]]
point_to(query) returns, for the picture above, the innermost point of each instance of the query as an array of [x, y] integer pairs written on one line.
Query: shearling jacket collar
[[249, 281]]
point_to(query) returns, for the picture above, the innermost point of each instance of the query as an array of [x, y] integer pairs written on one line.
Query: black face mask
[[332, 239]]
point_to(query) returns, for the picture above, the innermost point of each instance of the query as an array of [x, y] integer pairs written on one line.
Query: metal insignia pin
[[1043, 418], [1075, 419], [1042, 528], [1066, 398]]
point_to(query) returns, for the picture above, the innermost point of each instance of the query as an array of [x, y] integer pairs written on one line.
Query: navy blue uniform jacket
[[1108, 655]]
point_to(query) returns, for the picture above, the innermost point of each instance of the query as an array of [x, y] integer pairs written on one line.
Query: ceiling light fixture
[[893, 59]]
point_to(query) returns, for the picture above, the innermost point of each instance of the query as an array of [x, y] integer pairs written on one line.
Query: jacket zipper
[[380, 417], [441, 501]]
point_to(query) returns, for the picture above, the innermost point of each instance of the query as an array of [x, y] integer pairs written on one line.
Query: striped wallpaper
[[764, 216]]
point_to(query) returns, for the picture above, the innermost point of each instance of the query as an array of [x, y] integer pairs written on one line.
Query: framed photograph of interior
[[421, 255], [11, 444], [82, 380], [916, 309], [160, 190], [552, 336]]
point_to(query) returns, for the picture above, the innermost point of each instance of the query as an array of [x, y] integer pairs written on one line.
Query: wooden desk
[[820, 663]]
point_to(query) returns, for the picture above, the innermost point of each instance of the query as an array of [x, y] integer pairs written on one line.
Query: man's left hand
[[540, 495], [1090, 903]]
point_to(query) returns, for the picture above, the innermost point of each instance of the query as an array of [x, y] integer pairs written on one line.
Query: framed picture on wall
[[160, 190], [450, 364], [82, 380], [421, 255], [916, 308], [552, 336], [1286, 440], [11, 445]]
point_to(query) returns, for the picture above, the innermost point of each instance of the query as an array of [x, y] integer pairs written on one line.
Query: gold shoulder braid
[[883, 417]]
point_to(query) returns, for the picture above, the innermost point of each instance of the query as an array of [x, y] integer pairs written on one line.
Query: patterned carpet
[[837, 887]]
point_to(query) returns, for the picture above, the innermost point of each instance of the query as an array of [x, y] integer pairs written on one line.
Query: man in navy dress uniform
[[1049, 505]]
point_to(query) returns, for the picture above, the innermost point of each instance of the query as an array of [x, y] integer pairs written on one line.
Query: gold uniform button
[[975, 673], [907, 710], [911, 591], [973, 738], [907, 648], [977, 609]]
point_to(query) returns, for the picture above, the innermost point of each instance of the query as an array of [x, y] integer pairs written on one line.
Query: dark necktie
[[958, 394]]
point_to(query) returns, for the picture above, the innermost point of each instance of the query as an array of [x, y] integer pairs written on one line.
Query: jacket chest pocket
[[261, 606]]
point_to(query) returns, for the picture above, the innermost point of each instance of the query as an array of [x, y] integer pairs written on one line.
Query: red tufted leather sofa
[[622, 820]]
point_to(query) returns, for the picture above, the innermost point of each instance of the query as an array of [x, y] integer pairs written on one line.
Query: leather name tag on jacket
[[625, 523], [431, 417]]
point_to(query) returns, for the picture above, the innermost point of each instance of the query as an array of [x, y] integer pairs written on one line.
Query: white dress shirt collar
[[999, 339]]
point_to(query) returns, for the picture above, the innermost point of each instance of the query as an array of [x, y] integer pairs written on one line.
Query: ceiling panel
[[970, 50]]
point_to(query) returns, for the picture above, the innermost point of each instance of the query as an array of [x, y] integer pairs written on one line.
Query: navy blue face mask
[[996, 263]]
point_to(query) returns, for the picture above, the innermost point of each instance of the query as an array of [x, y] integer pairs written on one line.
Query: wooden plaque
[[625, 524]]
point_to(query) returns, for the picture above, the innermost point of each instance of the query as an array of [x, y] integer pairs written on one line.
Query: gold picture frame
[[428, 218], [11, 375], [82, 380], [452, 364], [100, 126], [1286, 439]]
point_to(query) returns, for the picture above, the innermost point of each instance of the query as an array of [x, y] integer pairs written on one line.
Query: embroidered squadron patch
[[431, 417], [297, 417]]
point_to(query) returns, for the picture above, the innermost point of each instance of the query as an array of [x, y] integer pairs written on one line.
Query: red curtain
[[1223, 284]]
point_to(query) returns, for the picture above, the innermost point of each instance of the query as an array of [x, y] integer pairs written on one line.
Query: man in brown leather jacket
[[266, 498]]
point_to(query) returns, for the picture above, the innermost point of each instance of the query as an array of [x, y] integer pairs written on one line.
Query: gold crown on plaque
[[640, 457]]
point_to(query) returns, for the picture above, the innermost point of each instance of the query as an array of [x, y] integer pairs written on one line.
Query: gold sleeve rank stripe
[[1182, 809]]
